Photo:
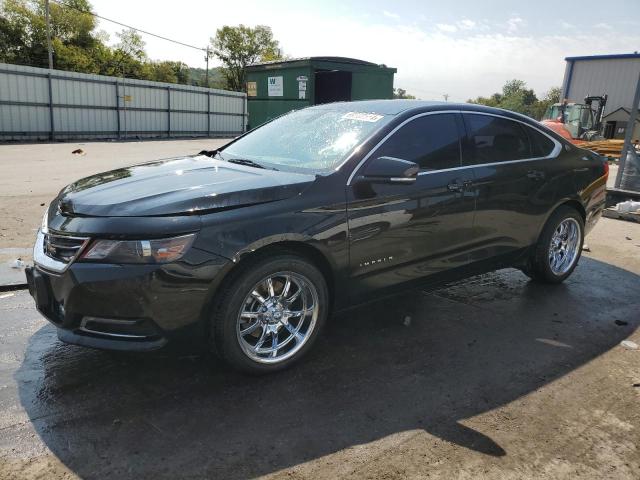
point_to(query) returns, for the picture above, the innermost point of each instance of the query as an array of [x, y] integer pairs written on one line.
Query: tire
[[548, 263], [248, 314]]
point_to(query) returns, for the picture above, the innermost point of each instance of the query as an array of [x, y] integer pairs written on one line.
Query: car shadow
[[418, 361]]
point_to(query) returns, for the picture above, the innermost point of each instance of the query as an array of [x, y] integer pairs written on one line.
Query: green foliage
[[12, 39], [237, 47], [402, 93], [23, 35], [517, 97], [197, 76], [170, 72], [128, 58], [551, 97], [77, 46]]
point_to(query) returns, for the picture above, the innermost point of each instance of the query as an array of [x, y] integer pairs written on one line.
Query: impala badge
[[368, 263]]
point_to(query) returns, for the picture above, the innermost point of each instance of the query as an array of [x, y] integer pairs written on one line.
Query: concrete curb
[[12, 278], [13, 286]]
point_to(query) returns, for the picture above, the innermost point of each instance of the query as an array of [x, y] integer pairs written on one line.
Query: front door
[[401, 233]]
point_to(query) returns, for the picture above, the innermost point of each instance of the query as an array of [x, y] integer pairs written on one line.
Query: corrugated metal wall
[[617, 77], [41, 104]]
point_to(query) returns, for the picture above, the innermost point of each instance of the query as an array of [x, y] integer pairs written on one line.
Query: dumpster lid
[[353, 61]]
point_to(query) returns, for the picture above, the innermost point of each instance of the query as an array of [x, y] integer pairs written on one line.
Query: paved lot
[[33, 174], [495, 377]]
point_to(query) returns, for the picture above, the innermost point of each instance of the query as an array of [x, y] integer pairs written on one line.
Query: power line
[[62, 4]]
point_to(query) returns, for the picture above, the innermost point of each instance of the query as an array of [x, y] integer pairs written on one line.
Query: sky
[[461, 48]]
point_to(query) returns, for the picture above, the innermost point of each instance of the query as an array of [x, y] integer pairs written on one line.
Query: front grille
[[63, 248]]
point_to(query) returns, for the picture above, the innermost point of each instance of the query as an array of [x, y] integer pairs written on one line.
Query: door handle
[[458, 186], [455, 187], [535, 175]]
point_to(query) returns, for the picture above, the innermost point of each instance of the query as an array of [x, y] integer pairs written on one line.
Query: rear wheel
[[559, 247], [269, 314]]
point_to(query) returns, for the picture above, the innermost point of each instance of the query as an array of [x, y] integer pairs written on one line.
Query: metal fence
[[41, 104]]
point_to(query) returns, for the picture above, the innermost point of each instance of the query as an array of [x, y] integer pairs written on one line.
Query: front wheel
[[269, 314], [559, 247]]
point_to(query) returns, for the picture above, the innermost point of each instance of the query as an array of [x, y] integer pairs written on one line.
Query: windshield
[[575, 114], [552, 113], [313, 139]]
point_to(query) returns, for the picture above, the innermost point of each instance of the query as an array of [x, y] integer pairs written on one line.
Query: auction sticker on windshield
[[363, 117]]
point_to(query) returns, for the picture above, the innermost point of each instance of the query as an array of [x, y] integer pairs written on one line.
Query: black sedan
[[249, 248]]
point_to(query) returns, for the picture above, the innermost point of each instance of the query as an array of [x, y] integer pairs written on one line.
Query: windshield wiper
[[248, 163], [240, 161]]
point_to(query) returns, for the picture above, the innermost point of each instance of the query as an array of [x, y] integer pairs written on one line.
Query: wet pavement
[[495, 376]]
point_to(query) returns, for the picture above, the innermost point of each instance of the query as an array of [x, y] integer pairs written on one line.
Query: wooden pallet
[[613, 213], [608, 148]]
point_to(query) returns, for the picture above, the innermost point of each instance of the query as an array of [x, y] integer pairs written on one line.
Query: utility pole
[[206, 75], [46, 12]]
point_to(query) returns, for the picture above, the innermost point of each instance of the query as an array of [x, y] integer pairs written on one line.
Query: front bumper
[[127, 307]]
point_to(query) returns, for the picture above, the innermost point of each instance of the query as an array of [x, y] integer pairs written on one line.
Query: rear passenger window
[[495, 139], [432, 141], [541, 145]]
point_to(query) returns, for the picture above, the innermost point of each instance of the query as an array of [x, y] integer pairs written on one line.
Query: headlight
[[161, 250]]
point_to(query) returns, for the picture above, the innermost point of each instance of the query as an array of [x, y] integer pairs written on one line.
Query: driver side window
[[431, 141]]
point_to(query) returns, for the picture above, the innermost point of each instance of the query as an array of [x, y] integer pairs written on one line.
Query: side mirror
[[390, 170]]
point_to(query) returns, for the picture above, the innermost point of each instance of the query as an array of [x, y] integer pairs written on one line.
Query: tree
[[12, 40], [170, 72], [131, 45], [551, 97], [237, 47], [517, 97], [129, 58], [197, 77], [402, 93], [79, 47], [23, 34]]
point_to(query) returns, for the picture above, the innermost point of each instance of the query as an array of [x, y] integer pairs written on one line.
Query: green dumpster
[[277, 87]]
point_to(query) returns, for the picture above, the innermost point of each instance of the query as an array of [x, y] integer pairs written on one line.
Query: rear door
[[514, 167], [399, 233]]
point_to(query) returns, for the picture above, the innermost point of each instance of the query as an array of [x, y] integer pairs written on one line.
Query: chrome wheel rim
[[277, 317], [564, 247]]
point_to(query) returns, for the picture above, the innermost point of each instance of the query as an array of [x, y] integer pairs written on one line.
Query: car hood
[[178, 186]]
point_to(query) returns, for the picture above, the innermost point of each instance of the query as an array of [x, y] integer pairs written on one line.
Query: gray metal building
[[41, 104], [614, 75]]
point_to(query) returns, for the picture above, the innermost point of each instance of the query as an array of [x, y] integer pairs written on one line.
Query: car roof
[[409, 107], [382, 107], [396, 107]]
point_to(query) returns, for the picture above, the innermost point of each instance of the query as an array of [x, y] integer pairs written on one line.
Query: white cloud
[[567, 25], [514, 24], [466, 24], [446, 27], [466, 64], [603, 26], [388, 14], [461, 25]]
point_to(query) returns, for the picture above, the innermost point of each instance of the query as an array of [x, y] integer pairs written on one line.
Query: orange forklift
[[577, 122]]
